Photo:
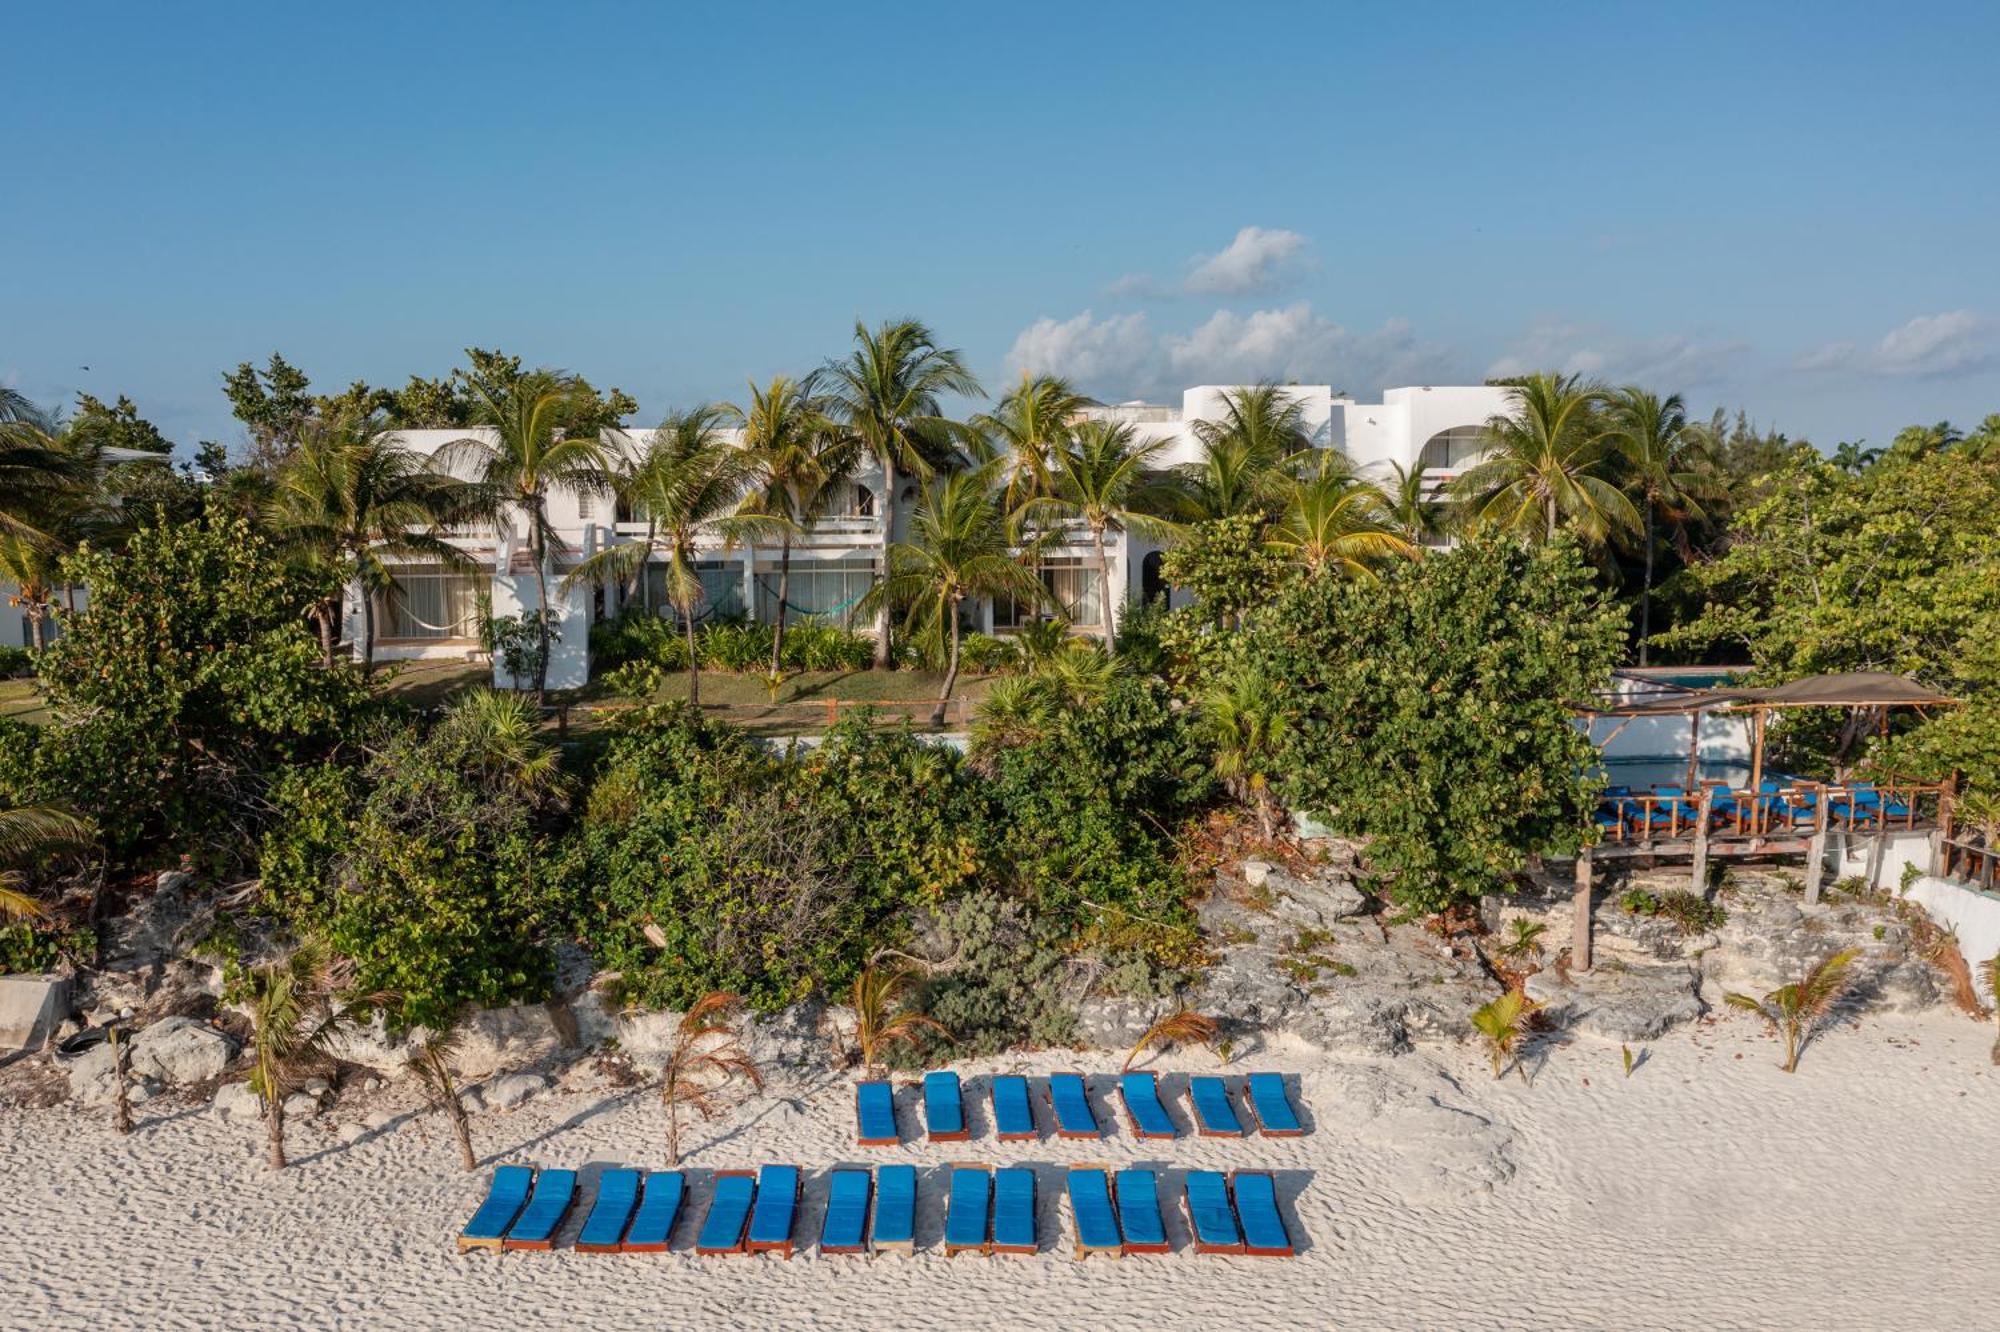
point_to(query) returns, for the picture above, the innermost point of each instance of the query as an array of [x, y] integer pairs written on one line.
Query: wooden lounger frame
[[1034, 1190], [993, 1107], [985, 1246], [877, 1245], [468, 1245], [1082, 1250], [1257, 1120], [1049, 1094], [1290, 1240], [742, 1238], [783, 1247], [867, 1210], [964, 1133], [1201, 1128], [1194, 1234], [1132, 1120], [1128, 1246], [895, 1141]]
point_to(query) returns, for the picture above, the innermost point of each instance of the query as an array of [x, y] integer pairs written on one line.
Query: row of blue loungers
[[1213, 1106], [1779, 803], [986, 1211]]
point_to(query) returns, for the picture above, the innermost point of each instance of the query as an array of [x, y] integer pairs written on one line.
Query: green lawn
[[806, 702]]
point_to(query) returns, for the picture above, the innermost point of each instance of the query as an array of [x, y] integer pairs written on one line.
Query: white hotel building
[[434, 612]]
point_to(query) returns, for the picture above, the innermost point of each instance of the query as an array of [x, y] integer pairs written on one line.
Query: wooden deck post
[[1579, 947], [1698, 877], [1875, 850], [1816, 850]]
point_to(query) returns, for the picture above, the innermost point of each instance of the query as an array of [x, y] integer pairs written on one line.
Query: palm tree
[[1547, 463], [693, 484], [801, 458], [1031, 423], [496, 737], [1669, 472], [1105, 479], [704, 1057], [1794, 1011], [1181, 1027], [883, 1016], [36, 470], [297, 1013], [431, 1059], [28, 833], [530, 455], [349, 498], [1410, 511], [1503, 1023], [959, 548], [1246, 723], [32, 562], [1244, 452], [1333, 522], [889, 394]]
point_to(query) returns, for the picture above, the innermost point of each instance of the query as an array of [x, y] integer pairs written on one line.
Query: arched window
[[1453, 450]]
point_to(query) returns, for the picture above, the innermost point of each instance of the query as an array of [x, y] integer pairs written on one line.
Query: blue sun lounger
[[944, 1108], [505, 1196], [1091, 1208], [659, 1207], [845, 1229], [535, 1228], [1014, 1210], [968, 1209], [1141, 1094], [1211, 1220], [1270, 1107], [617, 1195], [1069, 1103], [776, 1207], [728, 1213], [1214, 1112], [1264, 1233], [1138, 1193], [874, 1114], [1013, 1117], [895, 1209]]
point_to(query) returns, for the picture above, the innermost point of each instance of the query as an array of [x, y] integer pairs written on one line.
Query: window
[[1073, 593], [430, 601], [852, 501], [721, 590], [1453, 450], [824, 590], [585, 508]]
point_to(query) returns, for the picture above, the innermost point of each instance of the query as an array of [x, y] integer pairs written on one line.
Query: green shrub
[[16, 662], [736, 646], [635, 679], [30, 949], [1692, 912], [1430, 711], [1003, 985], [984, 654], [191, 678], [705, 863], [638, 635], [826, 647], [429, 867]]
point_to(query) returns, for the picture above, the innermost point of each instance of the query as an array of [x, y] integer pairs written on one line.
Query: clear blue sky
[[1790, 208]]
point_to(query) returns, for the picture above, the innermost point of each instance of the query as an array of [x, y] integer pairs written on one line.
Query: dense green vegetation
[[1329, 658]]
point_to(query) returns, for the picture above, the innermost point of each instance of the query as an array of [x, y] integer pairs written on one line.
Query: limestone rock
[[494, 1039], [511, 1089], [1257, 872], [1621, 1003], [301, 1105], [181, 1050], [235, 1102]]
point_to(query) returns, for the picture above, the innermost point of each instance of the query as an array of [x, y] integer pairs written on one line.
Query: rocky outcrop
[[1619, 1001], [181, 1051]]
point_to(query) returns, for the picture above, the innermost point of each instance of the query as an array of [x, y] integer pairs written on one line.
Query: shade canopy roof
[[1846, 689]]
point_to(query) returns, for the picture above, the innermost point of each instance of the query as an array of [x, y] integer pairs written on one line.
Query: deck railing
[[1794, 810], [1970, 861]]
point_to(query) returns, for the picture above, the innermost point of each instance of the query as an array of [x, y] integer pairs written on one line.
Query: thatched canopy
[[1846, 689]]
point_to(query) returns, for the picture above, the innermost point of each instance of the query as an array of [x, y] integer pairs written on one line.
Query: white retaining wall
[[1973, 915]]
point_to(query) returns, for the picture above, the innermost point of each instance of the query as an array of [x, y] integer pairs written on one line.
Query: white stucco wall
[[569, 657], [1972, 915]]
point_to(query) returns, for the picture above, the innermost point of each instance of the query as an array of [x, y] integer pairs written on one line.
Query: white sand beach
[[1709, 1190]]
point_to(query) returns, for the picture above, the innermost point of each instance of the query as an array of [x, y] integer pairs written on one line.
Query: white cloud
[[1253, 262], [1120, 356], [1133, 287], [1118, 349], [1668, 363], [1930, 346]]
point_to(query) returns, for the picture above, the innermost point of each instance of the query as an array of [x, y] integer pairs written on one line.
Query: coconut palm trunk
[[35, 635], [882, 627], [1646, 587], [274, 1131], [367, 630], [324, 615], [784, 591], [537, 548], [951, 666], [694, 657], [1104, 586]]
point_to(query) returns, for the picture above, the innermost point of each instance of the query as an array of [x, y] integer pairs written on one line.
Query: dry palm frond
[[703, 1059], [431, 1060], [1181, 1027], [1504, 1024], [881, 1018], [1794, 1010]]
